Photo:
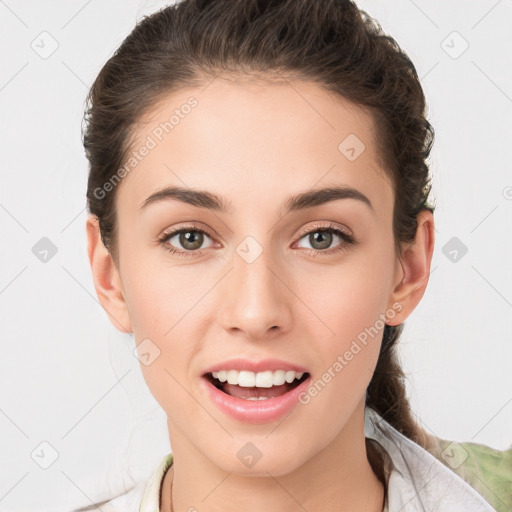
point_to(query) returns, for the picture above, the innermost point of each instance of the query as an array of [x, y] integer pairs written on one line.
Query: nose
[[256, 298]]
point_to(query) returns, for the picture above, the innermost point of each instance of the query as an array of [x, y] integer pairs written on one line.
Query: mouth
[[248, 386]]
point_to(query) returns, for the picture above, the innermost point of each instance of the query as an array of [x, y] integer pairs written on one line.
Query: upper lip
[[255, 366]]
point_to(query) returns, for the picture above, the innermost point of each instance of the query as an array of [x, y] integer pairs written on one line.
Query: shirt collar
[[417, 481]]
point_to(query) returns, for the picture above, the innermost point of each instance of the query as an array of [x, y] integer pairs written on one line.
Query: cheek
[[166, 311], [348, 351], [350, 300], [352, 297], [161, 318], [158, 295]]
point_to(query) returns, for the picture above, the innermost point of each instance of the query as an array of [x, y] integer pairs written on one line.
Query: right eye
[[190, 238]]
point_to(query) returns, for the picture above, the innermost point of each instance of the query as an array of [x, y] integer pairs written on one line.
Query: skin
[[257, 144]]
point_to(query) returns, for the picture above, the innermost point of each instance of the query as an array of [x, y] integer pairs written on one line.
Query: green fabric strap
[[487, 470]]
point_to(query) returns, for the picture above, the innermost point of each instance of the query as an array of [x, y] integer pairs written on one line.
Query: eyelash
[[331, 228]]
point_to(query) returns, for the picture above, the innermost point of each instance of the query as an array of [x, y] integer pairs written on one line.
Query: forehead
[[260, 137]]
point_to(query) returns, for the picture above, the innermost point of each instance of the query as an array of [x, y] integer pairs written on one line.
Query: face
[[309, 285]]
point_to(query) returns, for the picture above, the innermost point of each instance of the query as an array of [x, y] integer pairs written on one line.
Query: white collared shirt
[[418, 481]]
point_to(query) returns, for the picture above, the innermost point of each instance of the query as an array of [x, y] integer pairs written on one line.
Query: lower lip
[[256, 411]]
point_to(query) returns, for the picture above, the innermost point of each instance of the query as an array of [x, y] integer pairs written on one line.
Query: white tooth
[[232, 377], [246, 379], [279, 378], [290, 376], [263, 398], [252, 398], [264, 379]]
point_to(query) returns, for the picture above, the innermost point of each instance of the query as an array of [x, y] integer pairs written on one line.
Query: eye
[[190, 238], [321, 238]]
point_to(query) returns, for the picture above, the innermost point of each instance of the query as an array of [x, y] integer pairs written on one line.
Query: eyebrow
[[211, 201]]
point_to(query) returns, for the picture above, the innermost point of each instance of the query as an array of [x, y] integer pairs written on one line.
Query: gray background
[[70, 379]]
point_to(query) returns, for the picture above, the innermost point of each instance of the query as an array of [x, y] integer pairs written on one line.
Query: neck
[[337, 478]]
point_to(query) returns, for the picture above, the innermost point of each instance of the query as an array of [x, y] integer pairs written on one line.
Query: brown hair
[[329, 42]]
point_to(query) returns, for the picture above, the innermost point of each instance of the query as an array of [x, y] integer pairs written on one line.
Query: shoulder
[[486, 469]]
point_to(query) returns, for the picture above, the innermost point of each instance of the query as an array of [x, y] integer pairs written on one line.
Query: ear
[[413, 270], [106, 278]]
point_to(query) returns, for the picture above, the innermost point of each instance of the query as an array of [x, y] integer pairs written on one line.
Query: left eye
[[321, 239]]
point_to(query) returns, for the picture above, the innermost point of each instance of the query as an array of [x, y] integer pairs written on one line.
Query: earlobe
[[414, 269], [106, 278]]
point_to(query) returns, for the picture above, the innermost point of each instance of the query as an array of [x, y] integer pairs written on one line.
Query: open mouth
[[255, 392]]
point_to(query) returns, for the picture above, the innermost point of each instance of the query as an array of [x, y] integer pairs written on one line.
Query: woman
[[260, 220]]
